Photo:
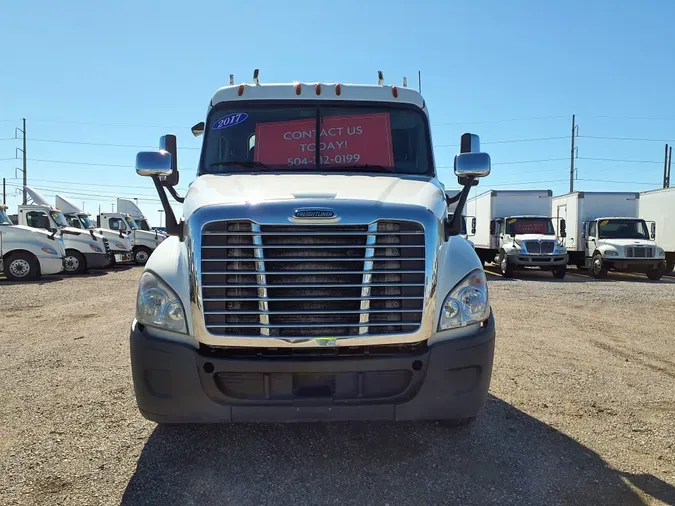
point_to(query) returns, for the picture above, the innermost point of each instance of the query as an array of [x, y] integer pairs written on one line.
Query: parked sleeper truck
[[659, 206], [121, 247], [605, 234], [84, 250], [313, 280], [514, 230], [27, 254], [144, 242]]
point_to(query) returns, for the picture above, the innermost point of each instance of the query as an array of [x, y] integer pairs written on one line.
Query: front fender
[[170, 262]]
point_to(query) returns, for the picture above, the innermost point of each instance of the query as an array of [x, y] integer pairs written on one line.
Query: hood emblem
[[314, 213]]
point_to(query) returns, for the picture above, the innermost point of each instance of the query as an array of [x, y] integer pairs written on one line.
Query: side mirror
[[583, 234], [473, 226], [513, 233], [563, 228], [493, 227], [653, 230], [472, 164], [153, 163], [198, 129], [168, 143]]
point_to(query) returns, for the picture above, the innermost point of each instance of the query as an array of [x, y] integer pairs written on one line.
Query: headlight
[[660, 252], [158, 306], [95, 248], [467, 303], [611, 253], [50, 251]]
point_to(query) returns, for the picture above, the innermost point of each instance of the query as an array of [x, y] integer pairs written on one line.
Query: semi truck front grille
[[539, 247], [639, 252], [309, 281]]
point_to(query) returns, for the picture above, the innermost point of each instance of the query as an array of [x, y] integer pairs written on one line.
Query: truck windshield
[[59, 218], [86, 222], [4, 220], [520, 226], [623, 229], [73, 221], [352, 138], [132, 224], [142, 224]]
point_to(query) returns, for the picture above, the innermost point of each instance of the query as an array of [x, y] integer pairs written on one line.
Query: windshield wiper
[[368, 168], [247, 164]]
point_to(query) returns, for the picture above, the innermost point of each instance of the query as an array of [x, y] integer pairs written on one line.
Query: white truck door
[[560, 215], [590, 241]]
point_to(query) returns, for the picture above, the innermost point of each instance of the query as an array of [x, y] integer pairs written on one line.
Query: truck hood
[[33, 230], [258, 188], [114, 238], [628, 242]]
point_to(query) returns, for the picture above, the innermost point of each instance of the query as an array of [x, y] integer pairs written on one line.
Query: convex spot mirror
[[472, 164], [153, 163], [653, 230]]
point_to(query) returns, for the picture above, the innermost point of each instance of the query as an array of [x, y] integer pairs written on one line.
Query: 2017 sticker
[[230, 120]]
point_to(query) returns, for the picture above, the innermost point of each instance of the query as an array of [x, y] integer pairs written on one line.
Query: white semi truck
[[121, 246], [514, 230], [27, 254], [315, 274], [144, 242], [84, 250], [659, 206], [604, 233]]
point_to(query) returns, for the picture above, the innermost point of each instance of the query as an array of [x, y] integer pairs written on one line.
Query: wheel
[[141, 255], [457, 422], [75, 262], [599, 269], [559, 271], [655, 274], [21, 267], [505, 266]]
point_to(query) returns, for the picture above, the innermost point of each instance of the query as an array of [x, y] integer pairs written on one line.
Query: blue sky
[[125, 73]]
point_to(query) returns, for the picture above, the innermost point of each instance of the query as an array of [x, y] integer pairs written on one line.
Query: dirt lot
[[582, 411]]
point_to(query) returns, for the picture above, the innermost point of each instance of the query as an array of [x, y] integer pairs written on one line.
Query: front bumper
[[175, 383], [51, 265], [123, 257], [97, 260], [635, 264], [529, 260]]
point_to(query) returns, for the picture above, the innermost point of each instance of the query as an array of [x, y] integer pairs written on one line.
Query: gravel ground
[[581, 411]]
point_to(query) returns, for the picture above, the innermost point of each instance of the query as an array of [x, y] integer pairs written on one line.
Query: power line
[[542, 118], [636, 139], [618, 182], [89, 123], [512, 163], [618, 160], [9, 139], [95, 184], [87, 143], [90, 163], [85, 194], [507, 141]]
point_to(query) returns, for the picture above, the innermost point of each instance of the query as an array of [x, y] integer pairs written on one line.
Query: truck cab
[[27, 254], [528, 241], [143, 242], [120, 244], [84, 250], [624, 244], [315, 273]]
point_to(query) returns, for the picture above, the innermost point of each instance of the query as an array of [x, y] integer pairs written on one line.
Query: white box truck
[[659, 206], [315, 274], [27, 253], [143, 242], [514, 230], [604, 233]]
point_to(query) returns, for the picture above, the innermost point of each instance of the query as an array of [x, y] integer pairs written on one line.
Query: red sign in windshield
[[530, 227], [343, 140]]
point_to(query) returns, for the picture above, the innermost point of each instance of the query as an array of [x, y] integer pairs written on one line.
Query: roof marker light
[[394, 91], [380, 78], [318, 89], [231, 79], [240, 92], [298, 89], [338, 89], [405, 82], [255, 76]]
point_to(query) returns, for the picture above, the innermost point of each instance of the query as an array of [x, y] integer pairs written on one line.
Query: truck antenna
[[231, 79], [255, 76], [380, 78], [405, 82]]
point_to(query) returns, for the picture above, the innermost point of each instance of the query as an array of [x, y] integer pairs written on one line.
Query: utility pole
[[670, 162], [665, 168], [23, 152], [575, 132], [4, 192], [160, 211], [112, 207], [83, 206], [419, 80]]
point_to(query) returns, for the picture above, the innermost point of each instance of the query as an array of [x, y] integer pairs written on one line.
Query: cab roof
[[619, 218]]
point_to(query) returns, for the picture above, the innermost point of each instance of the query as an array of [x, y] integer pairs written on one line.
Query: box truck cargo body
[[514, 229], [604, 233], [659, 206]]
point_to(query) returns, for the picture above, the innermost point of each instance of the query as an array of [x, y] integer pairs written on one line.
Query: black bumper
[[97, 260], [637, 265], [174, 383]]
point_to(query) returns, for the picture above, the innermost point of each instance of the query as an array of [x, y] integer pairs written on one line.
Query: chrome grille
[[639, 252], [307, 281], [539, 247]]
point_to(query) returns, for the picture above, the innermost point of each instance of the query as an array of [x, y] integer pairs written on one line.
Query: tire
[[559, 271], [457, 422], [21, 267], [504, 266], [655, 274], [75, 262], [598, 267], [141, 255]]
